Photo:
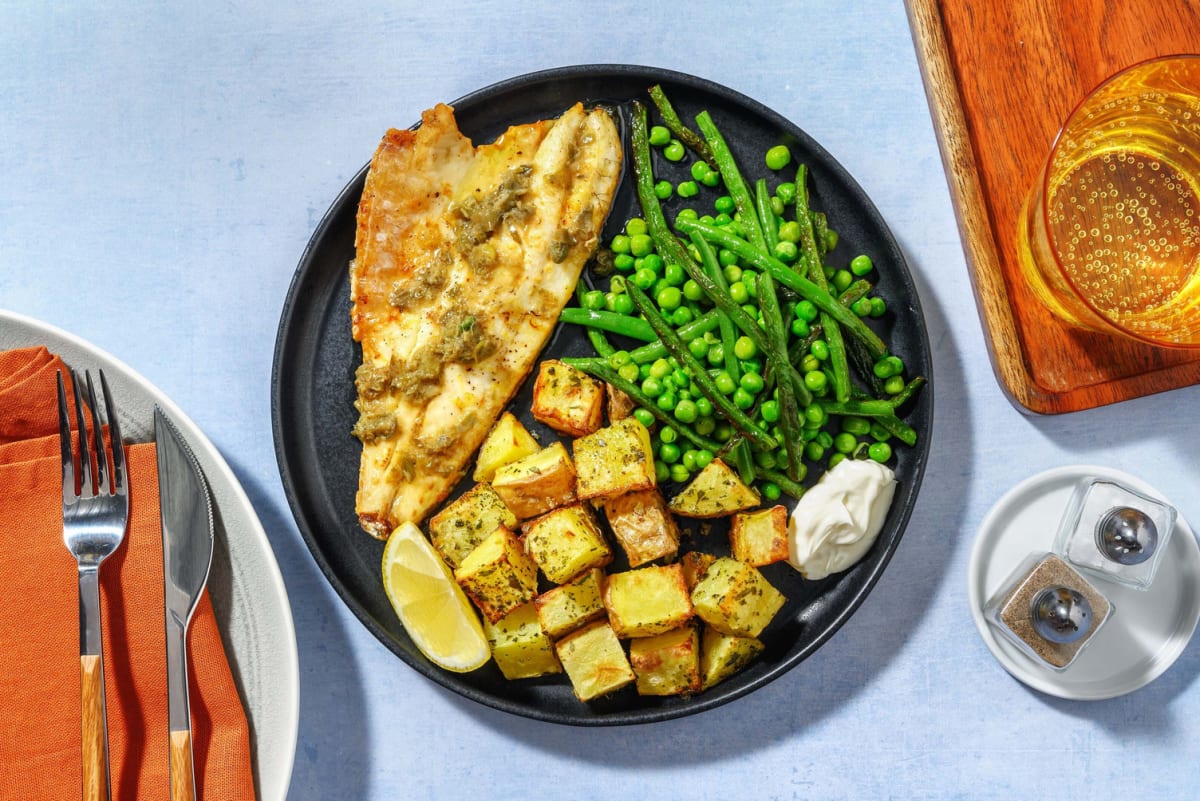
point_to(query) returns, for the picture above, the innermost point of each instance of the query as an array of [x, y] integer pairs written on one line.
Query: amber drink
[[1110, 238]]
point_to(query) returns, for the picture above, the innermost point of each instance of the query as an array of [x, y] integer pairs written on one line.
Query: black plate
[[312, 392]]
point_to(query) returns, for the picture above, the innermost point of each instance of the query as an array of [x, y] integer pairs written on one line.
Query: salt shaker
[[1048, 610], [1115, 533]]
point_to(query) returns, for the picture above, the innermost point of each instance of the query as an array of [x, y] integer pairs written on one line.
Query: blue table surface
[[170, 161]]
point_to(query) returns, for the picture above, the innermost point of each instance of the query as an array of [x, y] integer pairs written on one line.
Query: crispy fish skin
[[464, 258]]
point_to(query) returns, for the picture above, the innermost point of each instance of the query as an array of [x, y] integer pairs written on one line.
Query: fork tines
[[90, 473]]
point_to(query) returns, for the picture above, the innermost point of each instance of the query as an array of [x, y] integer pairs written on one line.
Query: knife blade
[[187, 531]]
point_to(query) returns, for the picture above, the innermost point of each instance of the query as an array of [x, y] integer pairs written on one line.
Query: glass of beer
[[1110, 236]]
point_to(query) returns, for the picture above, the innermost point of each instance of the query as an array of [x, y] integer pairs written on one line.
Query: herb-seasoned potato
[[462, 525], [716, 491], [564, 608], [595, 661], [668, 663], [647, 601], [498, 575], [642, 525], [507, 442], [761, 537], [694, 563], [722, 655], [565, 542], [520, 647], [735, 598], [615, 460], [537, 483], [567, 400]]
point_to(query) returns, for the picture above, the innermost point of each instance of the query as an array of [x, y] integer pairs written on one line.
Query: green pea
[[800, 327], [778, 157], [894, 385], [670, 453], [659, 135], [897, 364], [692, 290], [723, 380], [669, 298], [703, 457], [712, 178], [666, 401], [764, 459], [716, 356], [623, 304], [704, 406], [777, 207], [810, 363], [845, 442], [653, 262], [815, 380], [663, 190], [705, 425], [879, 433], [750, 279], [630, 372], [681, 316], [790, 232], [722, 219], [644, 417], [679, 473], [751, 382], [742, 399], [786, 251], [820, 349], [723, 432], [815, 414], [687, 214], [644, 278], [652, 387], [878, 307], [674, 151], [619, 244], [594, 300], [685, 411], [807, 310], [770, 490], [725, 203], [641, 244], [668, 434], [643, 371], [833, 460], [662, 473], [861, 307], [861, 264], [698, 348], [623, 262], [732, 273], [751, 365], [619, 359], [673, 274], [831, 239], [687, 189], [744, 348], [769, 411], [842, 279], [689, 459], [786, 192], [883, 369], [813, 451], [726, 257], [739, 293], [880, 451]]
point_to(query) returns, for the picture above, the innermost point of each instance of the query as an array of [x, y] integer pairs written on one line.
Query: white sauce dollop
[[835, 523]]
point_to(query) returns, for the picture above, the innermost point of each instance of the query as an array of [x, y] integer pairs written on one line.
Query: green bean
[[696, 328], [665, 242], [854, 293], [909, 390], [600, 369], [675, 126], [733, 180], [789, 412], [786, 484], [766, 216], [898, 428], [600, 343], [704, 382], [838, 362], [790, 279], [612, 322], [864, 365], [860, 408], [708, 260]]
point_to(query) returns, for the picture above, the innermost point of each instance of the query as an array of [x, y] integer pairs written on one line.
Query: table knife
[[187, 530]]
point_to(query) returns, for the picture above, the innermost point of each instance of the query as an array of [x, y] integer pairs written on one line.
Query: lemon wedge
[[432, 607]]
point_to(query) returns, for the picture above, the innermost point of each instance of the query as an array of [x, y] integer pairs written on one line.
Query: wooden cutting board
[[1002, 76]]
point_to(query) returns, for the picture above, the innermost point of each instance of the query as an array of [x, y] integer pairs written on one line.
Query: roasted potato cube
[[567, 400], [520, 647], [620, 405], [566, 607], [614, 460], [668, 663], [642, 525], [647, 601], [462, 525], [538, 482], [498, 575], [694, 563], [761, 537], [722, 655], [565, 542], [595, 661], [736, 598], [716, 491], [507, 442]]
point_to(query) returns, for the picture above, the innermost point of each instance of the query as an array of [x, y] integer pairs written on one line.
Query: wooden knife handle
[[182, 781], [95, 746]]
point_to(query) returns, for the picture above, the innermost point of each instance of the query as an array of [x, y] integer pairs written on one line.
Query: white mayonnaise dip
[[838, 519]]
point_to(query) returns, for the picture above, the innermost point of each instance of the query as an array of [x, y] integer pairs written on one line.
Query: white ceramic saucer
[[1148, 630]]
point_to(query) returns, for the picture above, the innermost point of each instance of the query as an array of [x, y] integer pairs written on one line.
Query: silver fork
[[95, 514]]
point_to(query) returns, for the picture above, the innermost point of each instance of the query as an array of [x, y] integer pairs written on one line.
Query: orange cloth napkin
[[40, 712]]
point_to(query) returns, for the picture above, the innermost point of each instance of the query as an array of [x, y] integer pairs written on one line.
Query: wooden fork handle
[[95, 740], [182, 779]]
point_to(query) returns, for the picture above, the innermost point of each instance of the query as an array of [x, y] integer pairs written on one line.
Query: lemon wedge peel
[[433, 609]]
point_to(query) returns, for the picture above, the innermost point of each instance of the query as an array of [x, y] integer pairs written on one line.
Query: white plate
[[1147, 631], [245, 585]]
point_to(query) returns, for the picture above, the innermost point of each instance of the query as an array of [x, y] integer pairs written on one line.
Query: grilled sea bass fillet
[[464, 258]]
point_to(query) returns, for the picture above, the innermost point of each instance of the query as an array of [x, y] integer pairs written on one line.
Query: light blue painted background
[[170, 162]]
